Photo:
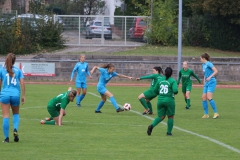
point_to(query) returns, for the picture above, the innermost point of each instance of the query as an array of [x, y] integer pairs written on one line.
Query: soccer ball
[[127, 106]]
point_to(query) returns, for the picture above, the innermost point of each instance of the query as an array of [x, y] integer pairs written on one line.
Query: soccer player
[[166, 88], [148, 95], [81, 83], [185, 74], [209, 85], [11, 78], [107, 72], [56, 107]]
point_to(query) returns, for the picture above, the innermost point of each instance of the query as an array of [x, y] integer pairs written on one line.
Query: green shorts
[[186, 88], [149, 94], [53, 112], [166, 108]]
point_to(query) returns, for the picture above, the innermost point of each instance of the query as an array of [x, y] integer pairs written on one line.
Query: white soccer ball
[[127, 106]]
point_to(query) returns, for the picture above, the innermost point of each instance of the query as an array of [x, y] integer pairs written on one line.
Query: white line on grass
[[184, 130]]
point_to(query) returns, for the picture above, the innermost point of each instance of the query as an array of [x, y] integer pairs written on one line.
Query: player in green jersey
[[148, 95], [56, 107], [166, 88], [185, 74]]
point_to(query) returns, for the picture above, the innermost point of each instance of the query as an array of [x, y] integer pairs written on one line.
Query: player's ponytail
[[168, 72], [9, 62], [158, 69], [206, 56], [109, 65]]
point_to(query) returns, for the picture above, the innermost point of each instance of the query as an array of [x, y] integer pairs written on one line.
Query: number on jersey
[[13, 80], [163, 89]]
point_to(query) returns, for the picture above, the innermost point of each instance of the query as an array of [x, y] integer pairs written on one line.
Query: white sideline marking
[[184, 130]]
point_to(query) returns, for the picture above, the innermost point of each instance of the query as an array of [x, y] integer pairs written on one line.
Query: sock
[[150, 106], [205, 106], [213, 104], [113, 101], [5, 126], [156, 121], [188, 103], [50, 118], [16, 120], [78, 99], [186, 100], [81, 97], [170, 125], [52, 122], [144, 103], [100, 105]]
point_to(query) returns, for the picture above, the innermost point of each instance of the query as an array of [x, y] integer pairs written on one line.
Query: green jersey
[[154, 77], [186, 76], [61, 101], [166, 88]]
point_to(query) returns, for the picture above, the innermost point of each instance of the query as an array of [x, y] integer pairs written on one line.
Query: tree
[[226, 8]]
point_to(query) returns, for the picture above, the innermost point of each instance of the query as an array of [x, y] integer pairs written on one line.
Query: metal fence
[[85, 30]]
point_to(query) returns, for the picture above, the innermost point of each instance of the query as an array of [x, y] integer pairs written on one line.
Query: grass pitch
[[86, 135]]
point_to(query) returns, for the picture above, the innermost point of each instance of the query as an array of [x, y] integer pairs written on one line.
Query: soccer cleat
[[78, 105], [15, 134], [205, 116], [119, 110], [151, 113], [146, 111], [169, 134], [42, 121], [150, 128], [216, 115], [188, 107], [6, 140], [98, 112]]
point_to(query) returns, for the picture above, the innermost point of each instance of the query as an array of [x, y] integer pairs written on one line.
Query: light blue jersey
[[207, 69], [82, 70], [11, 85], [105, 76]]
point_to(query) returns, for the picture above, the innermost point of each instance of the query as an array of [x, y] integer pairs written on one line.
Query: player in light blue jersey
[[11, 82], [81, 81], [209, 85], [107, 72]]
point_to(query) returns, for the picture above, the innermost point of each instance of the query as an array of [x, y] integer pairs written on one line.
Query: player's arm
[[23, 90], [73, 71], [93, 69], [124, 76], [62, 111], [156, 87], [87, 71], [179, 77], [175, 87], [146, 77], [194, 75]]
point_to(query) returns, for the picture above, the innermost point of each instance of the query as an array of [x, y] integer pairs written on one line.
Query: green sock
[[188, 103], [52, 122], [51, 118], [169, 125], [156, 121], [144, 103], [150, 106], [186, 100]]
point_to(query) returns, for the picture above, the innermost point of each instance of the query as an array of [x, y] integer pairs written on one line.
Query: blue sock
[[81, 97], [100, 105], [78, 99], [113, 101], [5, 126], [205, 106], [213, 104], [16, 120]]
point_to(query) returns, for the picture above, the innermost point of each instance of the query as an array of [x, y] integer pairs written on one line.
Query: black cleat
[[150, 128], [187, 108], [15, 134], [119, 110], [169, 134], [98, 112], [146, 111], [150, 113], [6, 140]]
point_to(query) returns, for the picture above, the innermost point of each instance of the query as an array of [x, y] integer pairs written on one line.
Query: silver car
[[95, 30]]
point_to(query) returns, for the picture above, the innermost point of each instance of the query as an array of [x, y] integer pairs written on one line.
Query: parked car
[[137, 29], [94, 30]]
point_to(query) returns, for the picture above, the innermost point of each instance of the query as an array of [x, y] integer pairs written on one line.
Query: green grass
[[110, 135], [153, 50]]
